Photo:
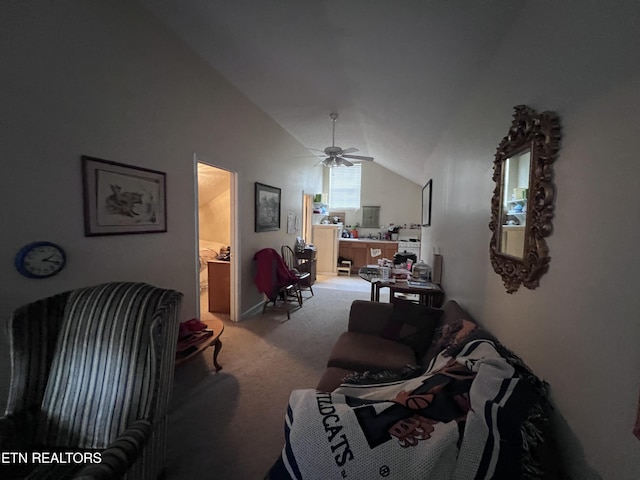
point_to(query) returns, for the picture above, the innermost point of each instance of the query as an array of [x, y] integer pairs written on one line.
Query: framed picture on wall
[[122, 199], [267, 208], [426, 204]]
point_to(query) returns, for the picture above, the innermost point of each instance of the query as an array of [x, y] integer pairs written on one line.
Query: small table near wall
[[219, 286], [429, 294], [307, 260], [195, 343]]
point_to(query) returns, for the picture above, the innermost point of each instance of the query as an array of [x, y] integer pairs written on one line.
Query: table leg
[[217, 345], [373, 291]]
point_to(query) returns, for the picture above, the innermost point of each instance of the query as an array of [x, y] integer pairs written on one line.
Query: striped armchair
[[92, 373]]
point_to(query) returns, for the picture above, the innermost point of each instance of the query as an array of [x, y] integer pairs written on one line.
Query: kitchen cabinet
[[326, 241], [354, 250], [389, 250], [345, 250], [359, 252]]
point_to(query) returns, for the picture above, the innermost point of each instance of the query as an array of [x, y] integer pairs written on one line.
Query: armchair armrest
[[9, 433], [118, 457], [15, 432], [369, 317]]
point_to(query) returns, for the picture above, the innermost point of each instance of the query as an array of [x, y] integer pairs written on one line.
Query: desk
[[195, 343], [431, 294], [372, 275]]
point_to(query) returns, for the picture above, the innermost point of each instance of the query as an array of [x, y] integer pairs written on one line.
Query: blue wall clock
[[40, 260]]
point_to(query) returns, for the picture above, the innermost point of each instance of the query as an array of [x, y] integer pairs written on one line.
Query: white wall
[[107, 79], [579, 330], [399, 199]]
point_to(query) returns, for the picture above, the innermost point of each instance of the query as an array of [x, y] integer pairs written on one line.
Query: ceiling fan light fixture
[[332, 162], [336, 156]]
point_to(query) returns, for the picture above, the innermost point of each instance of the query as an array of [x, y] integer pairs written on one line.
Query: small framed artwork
[[122, 199], [293, 223], [267, 208], [426, 204]]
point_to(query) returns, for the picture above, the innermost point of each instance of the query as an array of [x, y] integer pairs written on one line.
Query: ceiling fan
[[336, 156]]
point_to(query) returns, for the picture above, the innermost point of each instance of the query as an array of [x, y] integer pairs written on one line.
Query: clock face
[[40, 260]]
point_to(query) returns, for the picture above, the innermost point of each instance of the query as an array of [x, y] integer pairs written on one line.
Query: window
[[344, 187]]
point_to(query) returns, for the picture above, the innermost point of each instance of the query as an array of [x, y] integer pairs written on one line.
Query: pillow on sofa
[[445, 334], [514, 360], [447, 337], [412, 325]]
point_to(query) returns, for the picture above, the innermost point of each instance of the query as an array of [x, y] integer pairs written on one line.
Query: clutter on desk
[[225, 254]]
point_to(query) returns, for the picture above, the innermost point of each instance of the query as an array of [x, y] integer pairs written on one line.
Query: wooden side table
[[219, 286], [195, 343], [430, 294], [307, 260]]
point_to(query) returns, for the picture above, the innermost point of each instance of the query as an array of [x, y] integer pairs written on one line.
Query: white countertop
[[367, 240]]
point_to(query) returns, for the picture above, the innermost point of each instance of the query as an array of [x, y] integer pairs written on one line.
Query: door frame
[[307, 214], [235, 259]]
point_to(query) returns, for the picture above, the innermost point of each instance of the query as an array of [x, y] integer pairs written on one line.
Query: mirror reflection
[[515, 190]]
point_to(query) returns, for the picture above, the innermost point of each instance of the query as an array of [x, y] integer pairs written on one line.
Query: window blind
[[344, 187]]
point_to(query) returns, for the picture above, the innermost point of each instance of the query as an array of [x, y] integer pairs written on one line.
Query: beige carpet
[[229, 425]]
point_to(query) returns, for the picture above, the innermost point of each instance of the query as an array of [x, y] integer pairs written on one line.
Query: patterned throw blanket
[[460, 419]]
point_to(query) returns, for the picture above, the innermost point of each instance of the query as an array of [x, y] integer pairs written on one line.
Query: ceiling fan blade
[[346, 162], [350, 150], [314, 149], [358, 157]]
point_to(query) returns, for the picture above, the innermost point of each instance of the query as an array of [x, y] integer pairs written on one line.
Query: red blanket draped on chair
[[272, 273]]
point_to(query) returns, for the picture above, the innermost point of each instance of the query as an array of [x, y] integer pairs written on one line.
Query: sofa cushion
[[361, 351], [413, 325]]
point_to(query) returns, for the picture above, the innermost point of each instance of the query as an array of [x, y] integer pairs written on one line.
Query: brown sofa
[[385, 337]]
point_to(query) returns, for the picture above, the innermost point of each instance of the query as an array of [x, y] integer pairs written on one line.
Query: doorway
[[215, 234]]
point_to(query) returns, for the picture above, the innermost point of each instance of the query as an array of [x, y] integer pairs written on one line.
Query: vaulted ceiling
[[396, 71]]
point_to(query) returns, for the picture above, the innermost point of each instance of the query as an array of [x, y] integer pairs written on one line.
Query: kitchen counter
[[367, 240]]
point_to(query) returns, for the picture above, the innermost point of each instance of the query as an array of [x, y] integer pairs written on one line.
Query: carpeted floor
[[229, 425]]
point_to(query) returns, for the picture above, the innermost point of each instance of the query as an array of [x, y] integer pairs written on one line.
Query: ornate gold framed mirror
[[522, 202]]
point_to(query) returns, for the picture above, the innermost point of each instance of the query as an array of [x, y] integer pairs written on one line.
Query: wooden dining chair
[[304, 278], [275, 280]]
